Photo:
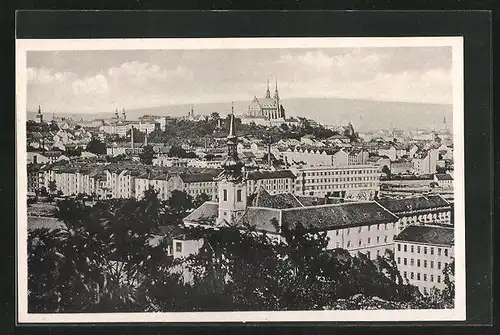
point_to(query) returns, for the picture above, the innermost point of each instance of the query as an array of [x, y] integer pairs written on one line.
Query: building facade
[[352, 181], [422, 253]]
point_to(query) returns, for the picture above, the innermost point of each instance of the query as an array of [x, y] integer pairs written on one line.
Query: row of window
[[343, 186], [420, 249], [343, 172], [333, 180], [360, 242], [380, 226], [424, 277], [419, 263]]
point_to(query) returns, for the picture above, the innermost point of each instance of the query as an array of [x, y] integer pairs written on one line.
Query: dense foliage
[[112, 257]]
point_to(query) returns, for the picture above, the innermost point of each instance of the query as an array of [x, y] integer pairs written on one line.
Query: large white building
[[352, 181], [421, 254]]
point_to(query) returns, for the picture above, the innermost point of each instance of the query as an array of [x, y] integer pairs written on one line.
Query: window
[[432, 264], [418, 275], [439, 279], [439, 251], [348, 244], [412, 275], [432, 278], [399, 260], [369, 240], [369, 228], [359, 243], [446, 252], [425, 288], [418, 249], [399, 247], [425, 250], [425, 277], [439, 265], [178, 246], [405, 261], [432, 250], [238, 195], [425, 263], [224, 195], [385, 239], [348, 230], [359, 229], [405, 274], [378, 239], [412, 249], [405, 249], [418, 262], [337, 233]]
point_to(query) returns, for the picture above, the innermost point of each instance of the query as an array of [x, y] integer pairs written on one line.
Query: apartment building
[[315, 156], [351, 181], [274, 182], [421, 254], [421, 209]]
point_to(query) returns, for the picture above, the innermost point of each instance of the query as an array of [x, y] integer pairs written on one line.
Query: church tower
[[39, 116], [232, 184], [277, 99], [268, 93]]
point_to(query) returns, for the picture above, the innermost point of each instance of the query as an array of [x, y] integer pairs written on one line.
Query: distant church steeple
[[268, 92], [39, 116]]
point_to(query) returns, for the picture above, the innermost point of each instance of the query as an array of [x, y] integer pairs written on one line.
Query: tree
[[177, 151], [97, 147], [386, 170], [147, 154], [214, 116], [179, 204], [200, 199], [52, 186]]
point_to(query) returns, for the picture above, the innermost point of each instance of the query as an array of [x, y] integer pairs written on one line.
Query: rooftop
[[414, 203], [427, 234]]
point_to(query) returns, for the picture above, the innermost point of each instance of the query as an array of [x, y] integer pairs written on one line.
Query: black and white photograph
[[240, 179]]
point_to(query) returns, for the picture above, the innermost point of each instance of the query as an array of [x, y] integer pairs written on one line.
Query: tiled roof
[[315, 201], [278, 201], [413, 203], [427, 234], [260, 219], [257, 175], [337, 216], [443, 176], [205, 214], [199, 177]]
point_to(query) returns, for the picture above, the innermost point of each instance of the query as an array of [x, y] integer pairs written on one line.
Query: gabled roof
[[443, 176], [277, 201], [427, 234], [260, 219], [327, 217], [415, 203], [206, 214]]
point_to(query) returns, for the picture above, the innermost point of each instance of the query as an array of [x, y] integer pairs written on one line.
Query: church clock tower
[[232, 184]]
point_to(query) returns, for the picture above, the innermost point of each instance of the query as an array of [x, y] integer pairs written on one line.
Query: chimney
[[132, 138]]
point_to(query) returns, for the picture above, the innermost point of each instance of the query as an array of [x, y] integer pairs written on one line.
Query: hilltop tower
[[39, 115], [232, 186]]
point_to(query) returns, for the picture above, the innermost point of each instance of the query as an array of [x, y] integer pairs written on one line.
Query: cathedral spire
[[268, 92]]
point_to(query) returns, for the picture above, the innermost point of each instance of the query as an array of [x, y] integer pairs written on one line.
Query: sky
[[99, 81]]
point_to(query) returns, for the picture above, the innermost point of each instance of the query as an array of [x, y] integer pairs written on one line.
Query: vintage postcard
[[240, 180]]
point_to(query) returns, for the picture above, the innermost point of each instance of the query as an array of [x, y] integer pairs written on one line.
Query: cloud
[[47, 76], [142, 72], [96, 85]]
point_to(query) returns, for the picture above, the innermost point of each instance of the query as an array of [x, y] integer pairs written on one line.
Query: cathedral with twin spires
[[266, 109]]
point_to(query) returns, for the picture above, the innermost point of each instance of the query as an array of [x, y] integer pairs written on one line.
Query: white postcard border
[[456, 314]]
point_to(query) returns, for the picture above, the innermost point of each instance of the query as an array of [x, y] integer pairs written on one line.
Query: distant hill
[[364, 114]]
